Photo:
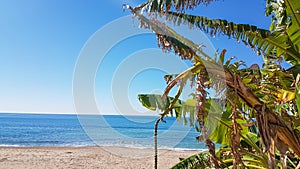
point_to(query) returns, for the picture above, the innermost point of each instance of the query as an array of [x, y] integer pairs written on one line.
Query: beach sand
[[86, 158]]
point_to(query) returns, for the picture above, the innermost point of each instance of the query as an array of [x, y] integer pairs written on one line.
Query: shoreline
[[44, 157], [119, 146]]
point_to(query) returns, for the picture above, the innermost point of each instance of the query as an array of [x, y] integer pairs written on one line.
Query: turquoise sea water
[[89, 130]]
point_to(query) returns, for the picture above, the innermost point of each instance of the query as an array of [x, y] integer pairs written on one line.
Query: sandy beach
[[86, 157]]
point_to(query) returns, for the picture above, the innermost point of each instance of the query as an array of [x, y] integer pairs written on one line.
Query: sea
[[23, 130]]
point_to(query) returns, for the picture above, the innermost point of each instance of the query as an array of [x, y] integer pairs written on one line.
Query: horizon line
[[56, 113]]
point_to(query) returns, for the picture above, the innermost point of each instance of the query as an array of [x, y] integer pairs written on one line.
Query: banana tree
[[261, 105]]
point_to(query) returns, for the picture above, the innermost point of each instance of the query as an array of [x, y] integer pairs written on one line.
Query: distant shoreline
[[87, 157]]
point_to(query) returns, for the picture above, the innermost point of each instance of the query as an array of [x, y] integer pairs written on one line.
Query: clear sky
[[40, 41]]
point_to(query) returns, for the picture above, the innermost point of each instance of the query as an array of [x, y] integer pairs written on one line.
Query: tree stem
[[155, 142]]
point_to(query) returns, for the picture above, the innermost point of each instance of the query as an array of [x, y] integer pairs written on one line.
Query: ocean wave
[[137, 146], [108, 145], [11, 145]]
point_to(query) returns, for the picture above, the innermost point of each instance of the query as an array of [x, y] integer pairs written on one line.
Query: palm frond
[[179, 5], [276, 43], [286, 20], [262, 41], [293, 11]]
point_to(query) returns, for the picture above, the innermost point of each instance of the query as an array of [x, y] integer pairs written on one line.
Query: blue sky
[[42, 39]]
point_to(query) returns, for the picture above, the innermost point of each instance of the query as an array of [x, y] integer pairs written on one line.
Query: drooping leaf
[[154, 102], [185, 110], [263, 41]]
